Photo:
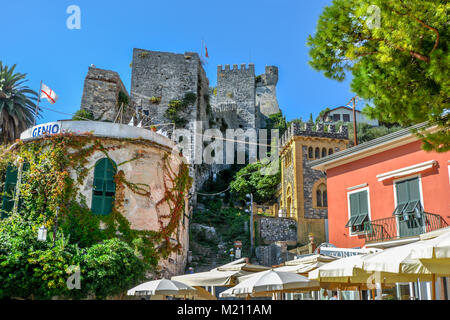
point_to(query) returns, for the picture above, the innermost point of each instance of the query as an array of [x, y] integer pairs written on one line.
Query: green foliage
[[276, 121], [228, 222], [297, 120], [366, 132], [123, 99], [250, 180], [82, 115], [40, 270], [109, 268], [400, 66], [155, 100], [115, 253], [322, 113], [89, 233], [189, 98], [17, 106], [177, 107]]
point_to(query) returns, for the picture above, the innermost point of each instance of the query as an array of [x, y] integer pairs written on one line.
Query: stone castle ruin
[[161, 82]]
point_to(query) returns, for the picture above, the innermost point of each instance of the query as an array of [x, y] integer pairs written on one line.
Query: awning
[[407, 170]]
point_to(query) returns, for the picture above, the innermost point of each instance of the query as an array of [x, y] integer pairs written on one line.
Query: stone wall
[[310, 176], [273, 254], [139, 210], [277, 229], [166, 76], [101, 93]]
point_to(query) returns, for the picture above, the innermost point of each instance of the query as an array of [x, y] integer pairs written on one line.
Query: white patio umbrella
[[434, 254], [306, 264], [163, 287], [348, 273], [271, 281], [225, 275], [399, 262], [424, 259]]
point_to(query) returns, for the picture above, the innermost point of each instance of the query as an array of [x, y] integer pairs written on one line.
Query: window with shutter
[[359, 211], [9, 190], [409, 210], [104, 188]]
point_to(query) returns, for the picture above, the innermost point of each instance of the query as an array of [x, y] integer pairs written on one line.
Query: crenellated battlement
[[310, 130], [243, 67]]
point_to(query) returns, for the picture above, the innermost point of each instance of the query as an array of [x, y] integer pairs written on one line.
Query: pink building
[[386, 192]]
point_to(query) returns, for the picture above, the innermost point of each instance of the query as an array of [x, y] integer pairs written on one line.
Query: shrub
[[83, 115], [155, 100]]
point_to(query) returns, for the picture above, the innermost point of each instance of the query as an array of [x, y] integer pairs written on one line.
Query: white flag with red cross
[[49, 94]]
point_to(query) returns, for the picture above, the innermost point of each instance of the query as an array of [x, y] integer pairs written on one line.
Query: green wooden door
[[104, 188], [407, 191], [9, 191]]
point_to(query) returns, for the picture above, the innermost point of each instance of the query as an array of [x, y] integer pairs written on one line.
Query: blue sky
[[35, 37]]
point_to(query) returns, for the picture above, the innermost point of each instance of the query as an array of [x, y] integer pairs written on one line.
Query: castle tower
[[236, 91], [101, 92], [266, 94], [303, 195], [160, 78], [157, 78]]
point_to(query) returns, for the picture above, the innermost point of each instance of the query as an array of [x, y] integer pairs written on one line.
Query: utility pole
[[355, 134]]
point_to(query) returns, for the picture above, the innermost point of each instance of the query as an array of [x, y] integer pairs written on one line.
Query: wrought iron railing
[[395, 227]]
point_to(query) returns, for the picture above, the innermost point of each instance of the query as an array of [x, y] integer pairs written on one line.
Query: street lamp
[[42, 234], [250, 196]]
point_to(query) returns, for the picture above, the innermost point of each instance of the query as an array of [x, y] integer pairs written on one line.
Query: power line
[[198, 134]]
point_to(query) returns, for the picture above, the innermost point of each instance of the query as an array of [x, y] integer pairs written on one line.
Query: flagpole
[[37, 104]]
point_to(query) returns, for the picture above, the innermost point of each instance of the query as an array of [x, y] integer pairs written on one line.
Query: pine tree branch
[[409, 14]]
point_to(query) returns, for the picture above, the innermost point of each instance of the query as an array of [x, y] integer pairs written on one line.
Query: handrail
[[392, 228]]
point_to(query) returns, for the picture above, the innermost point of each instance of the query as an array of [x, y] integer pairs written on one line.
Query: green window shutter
[[402, 192], [354, 204], [359, 209], [363, 202], [110, 186], [10, 188], [408, 193], [98, 184], [351, 221], [107, 205], [97, 204], [104, 188], [413, 189], [407, 190]]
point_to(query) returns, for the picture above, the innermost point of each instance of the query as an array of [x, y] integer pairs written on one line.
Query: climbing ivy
[[49, 195], [176, 107]]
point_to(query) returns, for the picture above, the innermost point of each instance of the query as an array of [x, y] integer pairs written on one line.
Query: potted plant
[[153, 128]]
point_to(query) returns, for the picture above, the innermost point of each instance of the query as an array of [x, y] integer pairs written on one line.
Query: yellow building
[[303, 193]]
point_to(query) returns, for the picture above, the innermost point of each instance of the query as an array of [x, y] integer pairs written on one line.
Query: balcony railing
[[392, 228]]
